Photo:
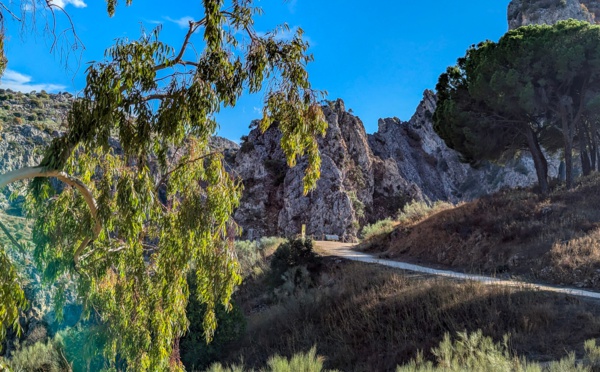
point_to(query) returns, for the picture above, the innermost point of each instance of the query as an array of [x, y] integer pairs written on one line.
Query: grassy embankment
[[369, 318], [518, 232]]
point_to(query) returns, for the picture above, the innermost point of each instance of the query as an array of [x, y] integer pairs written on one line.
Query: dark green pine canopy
[[537, 87]]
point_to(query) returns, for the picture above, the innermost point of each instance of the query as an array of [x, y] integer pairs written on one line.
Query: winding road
[[344, 250]]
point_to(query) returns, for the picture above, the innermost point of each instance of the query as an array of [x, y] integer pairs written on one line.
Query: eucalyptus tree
[[143, 201], [536, 85]]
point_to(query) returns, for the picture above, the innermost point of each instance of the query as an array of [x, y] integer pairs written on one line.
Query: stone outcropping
[[527, 12], [273, 201], [363, 178]]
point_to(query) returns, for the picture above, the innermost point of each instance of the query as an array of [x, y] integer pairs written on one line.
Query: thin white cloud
[[153, 21], [287, 35], [183, 22], [23, 83], [64, 3]]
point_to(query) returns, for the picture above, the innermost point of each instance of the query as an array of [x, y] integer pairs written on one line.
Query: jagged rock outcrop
[[526, 12], [363, 178], [273, 201]]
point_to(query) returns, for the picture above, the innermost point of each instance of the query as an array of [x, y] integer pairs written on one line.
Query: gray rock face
[[20, 146], [363, 177], [273, 201], [527, 12]]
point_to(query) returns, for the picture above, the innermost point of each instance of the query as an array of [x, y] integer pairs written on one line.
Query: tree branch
[[37, 172], [10, 12], [166, 175], [11, 238]]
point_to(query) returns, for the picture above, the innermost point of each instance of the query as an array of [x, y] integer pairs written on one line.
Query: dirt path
[[344, 250]]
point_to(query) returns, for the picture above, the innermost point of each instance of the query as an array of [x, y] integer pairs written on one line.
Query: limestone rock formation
[[526, 12], [363, 177], [273, 201]]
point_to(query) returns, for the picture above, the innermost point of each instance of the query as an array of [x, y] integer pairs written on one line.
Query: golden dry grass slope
[[516, 232]]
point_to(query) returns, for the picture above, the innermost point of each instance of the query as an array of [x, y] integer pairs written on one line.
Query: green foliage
[[476, 352], [41, 356], [308, 362], [357, 205], [82, 347], [290, 255], [532, 88], [302, 362], [252, 253], [418, 210], [12, 297], [196, 352], [378, 228]]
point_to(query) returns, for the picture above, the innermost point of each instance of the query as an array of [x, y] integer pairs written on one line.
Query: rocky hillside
[[28, 121], [526, 12], [364, 177]]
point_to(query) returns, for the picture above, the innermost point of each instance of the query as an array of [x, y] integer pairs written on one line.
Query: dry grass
[[516, 231], [374, 235], [369, 318]]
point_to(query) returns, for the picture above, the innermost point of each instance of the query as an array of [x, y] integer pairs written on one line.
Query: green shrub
[[195, 352], [251, 254], [303, 362], [476, 352], [41, 356], [357, 205], [291, 254], [418, 210], [309, 362], [378, 228]]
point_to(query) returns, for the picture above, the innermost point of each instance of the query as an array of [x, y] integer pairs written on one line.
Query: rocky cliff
[[526, 12], [364, 177]]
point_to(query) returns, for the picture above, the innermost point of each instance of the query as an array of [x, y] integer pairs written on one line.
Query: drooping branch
[[14, 241], [37, 172], [163, 179]]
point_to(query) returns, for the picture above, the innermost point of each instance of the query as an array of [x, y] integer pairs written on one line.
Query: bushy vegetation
[[380, 227], [82, 347], [374, 235], [465, 353], [293, 261], [417, 210], [475, 352], [365, 317], [198, 353], [302, 362], [41, 356], [252, 254], [44, 111], [555, 238]]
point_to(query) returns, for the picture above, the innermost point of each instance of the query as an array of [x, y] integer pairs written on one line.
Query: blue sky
[[378, 57]]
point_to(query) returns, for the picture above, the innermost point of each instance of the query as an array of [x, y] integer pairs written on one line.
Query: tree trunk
[[584, 147], [539, 160], [586, 165], [568, 146], [596, 153]]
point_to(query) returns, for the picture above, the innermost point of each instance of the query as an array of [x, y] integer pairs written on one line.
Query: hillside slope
[[513, 232]]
